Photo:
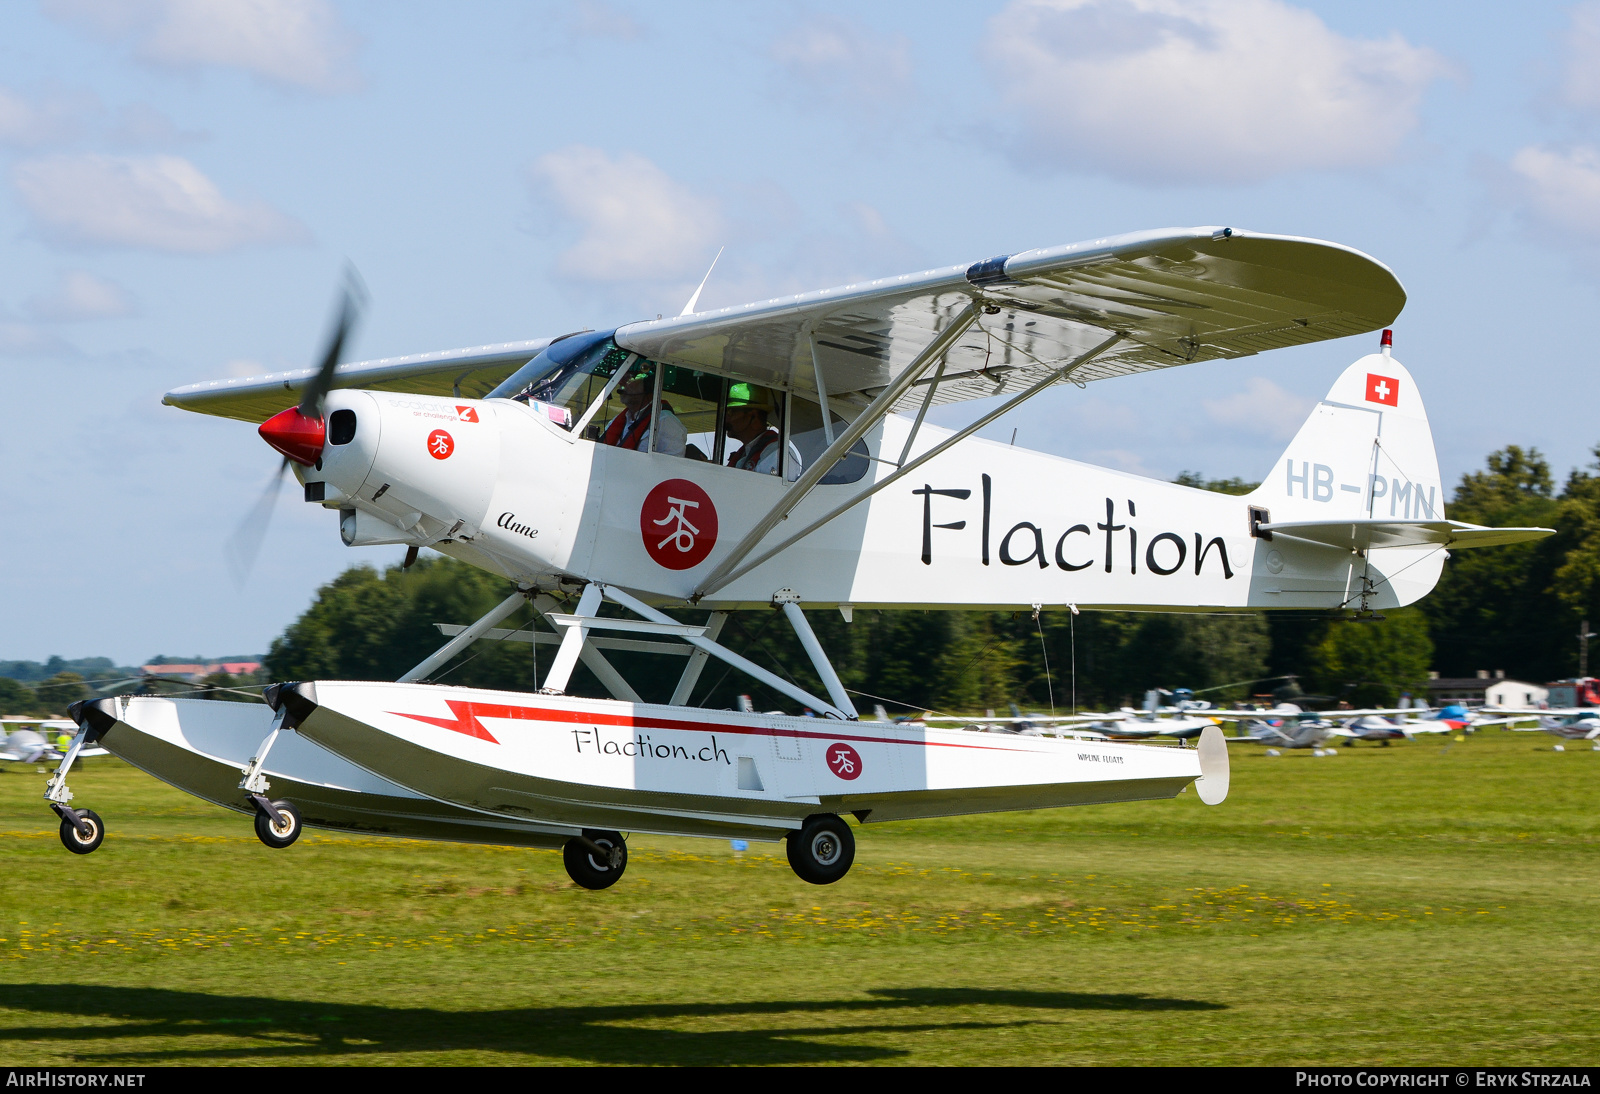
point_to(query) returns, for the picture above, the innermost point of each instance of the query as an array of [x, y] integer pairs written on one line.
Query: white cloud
[[54, 119], [1212, 90], [140, 125], [637, 222], [161, 203], [1560, 188], [597, 19], [1263, 407], [27, 340], [1580, 84], [296, 43], [1123, 459], [844, 60], [80, 294]]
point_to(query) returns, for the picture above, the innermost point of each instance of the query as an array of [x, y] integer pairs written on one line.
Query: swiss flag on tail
[[1383, 389]]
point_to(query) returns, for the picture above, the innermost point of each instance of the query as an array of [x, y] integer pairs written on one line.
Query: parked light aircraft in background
[[1285, 726], [1288, 726], [1080, 726], [1572, 724], [785, 461], [33, 740], [1186, 718]]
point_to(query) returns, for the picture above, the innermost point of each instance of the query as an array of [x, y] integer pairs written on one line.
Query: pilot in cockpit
[[750, 406], [631, 428]]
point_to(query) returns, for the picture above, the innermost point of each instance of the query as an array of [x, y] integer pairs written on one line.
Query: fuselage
[[497, 484]]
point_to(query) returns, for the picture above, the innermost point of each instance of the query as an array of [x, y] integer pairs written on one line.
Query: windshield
[[559, 363]]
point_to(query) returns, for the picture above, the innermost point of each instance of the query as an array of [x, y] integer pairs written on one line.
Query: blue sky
[[181, 182]]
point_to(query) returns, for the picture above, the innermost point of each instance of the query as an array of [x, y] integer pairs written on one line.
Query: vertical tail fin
[[1366, 452]]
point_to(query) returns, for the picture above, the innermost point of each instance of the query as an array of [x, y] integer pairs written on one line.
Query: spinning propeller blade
[[354, 298], [244, 546], [300, 437]]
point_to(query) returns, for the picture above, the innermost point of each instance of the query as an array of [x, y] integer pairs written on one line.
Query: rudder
[[1366, 451]]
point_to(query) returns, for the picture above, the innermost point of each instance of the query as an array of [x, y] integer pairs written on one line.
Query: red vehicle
[[1580, 691]]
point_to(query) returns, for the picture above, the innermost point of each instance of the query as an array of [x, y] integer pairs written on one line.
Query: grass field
[[1433, 902]]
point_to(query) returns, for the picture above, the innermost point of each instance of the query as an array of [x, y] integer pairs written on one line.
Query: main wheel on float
[[594, 869], [279, 831], [75, 841], [823, 850]]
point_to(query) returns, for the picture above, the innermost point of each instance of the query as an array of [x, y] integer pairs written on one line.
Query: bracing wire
[[1045, 653], [1072, 630]]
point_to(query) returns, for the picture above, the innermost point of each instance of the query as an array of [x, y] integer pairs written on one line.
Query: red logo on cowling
[[467, 413], [844, 761], [678, 524], [440, 444], [1383, 389]]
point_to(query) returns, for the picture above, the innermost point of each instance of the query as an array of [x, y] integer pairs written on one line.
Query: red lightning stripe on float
[[467, 715]]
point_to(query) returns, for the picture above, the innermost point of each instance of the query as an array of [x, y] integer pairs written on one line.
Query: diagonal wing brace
[[841, 446], [713, 583]]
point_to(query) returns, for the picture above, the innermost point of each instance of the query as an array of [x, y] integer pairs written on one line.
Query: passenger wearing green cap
[[749, 408]]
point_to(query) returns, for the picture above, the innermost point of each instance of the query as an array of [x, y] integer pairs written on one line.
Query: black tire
[[281, 832], [823, 850], [73, 840], [588, 869]]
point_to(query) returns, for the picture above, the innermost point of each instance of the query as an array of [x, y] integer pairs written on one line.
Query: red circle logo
[[844, 761], [678, 524], [440, 444]]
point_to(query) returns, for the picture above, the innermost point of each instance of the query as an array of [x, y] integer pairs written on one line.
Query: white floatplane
[[776, 456]]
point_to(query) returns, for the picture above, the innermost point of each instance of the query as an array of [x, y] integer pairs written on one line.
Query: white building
[[1515, 693], [1484, 689]]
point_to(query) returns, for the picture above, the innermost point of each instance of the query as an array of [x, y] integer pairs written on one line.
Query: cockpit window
[[578, 381], [809, 440], [558, 377], [565, 381]]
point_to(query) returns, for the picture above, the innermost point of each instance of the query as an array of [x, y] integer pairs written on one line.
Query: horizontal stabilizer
[[1361, 535]]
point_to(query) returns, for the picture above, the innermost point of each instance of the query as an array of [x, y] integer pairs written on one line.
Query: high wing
[[1177, 295], [458, 373], [1174, 296], [1362, 535]]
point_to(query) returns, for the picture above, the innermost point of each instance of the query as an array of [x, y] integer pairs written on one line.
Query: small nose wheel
[[597, 859], [281, 828], [823, 850], [82, 832]]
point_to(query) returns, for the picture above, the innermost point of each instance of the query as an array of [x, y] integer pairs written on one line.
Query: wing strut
[[922, 412], [720, 579], [836, 451]]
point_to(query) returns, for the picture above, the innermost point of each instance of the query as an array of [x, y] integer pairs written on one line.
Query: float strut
[[814, 650], [467, 637]]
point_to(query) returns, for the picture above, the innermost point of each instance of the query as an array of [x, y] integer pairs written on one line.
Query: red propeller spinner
[[298, 435], [300, 432]]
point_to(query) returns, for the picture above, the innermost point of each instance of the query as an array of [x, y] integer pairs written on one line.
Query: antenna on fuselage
[[688, 309]]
